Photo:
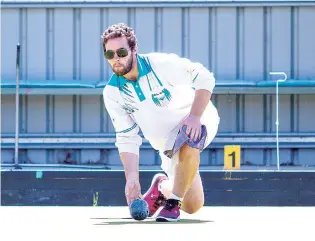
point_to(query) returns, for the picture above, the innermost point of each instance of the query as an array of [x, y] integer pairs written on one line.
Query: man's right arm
[[128, 140], [131, 165]]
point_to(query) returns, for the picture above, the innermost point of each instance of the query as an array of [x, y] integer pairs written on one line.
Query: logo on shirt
[[161, 96]]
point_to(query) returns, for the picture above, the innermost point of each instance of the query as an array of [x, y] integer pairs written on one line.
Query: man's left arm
[[203, 82], [201, 100]]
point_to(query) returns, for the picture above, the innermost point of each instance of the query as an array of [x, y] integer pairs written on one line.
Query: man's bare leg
[[187, 185], [185, 174], [186, 170]]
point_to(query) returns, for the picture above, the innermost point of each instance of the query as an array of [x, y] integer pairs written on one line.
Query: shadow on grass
[[124, 221]]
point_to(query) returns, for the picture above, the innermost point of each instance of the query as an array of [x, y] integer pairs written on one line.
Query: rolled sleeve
[[129, 140], [127, 131], [201, 77]]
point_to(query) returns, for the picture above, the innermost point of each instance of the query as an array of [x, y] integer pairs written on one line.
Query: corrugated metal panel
[[243, 43], [234, 42]]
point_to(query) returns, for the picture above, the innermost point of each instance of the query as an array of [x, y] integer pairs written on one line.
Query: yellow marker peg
[[232, 157]]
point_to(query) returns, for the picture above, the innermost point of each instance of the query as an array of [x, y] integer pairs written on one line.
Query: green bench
[[50, 87], [86, 87]]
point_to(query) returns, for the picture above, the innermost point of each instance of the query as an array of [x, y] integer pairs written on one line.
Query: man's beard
[[124, 69]]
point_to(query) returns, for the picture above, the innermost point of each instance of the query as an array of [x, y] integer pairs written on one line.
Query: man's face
[[119, 46]]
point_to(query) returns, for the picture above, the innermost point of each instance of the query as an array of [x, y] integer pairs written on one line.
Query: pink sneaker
[[153, 196], [170, 212]]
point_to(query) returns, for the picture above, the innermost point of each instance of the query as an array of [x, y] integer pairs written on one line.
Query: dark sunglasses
[[110, 54]]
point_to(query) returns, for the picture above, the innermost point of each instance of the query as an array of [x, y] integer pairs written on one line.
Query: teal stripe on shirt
[[129, 129]]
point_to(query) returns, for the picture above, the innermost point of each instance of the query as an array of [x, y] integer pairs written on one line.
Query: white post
[[277, 113]]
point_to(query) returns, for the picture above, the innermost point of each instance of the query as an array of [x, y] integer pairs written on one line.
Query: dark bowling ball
[[139, 209]]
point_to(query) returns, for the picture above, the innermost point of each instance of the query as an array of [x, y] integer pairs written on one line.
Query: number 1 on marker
[[232, 157]]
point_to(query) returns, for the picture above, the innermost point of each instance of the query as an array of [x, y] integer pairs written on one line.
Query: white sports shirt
[[157, 101]]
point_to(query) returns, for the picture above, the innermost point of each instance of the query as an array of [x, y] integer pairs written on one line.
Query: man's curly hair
[[120, 30]]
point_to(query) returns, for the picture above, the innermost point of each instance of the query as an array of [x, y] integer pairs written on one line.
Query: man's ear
[[134, 51]]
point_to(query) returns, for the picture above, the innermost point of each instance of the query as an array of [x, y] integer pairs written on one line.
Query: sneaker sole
[[163, 219]]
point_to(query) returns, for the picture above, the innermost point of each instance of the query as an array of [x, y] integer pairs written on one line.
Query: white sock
[[159, 186], [165, 184], [173, 196], [165, 187]]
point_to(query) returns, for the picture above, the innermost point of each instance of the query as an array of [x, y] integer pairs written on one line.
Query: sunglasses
[[121, 53]]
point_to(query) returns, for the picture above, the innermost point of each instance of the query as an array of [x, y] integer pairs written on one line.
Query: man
[[168, 98]]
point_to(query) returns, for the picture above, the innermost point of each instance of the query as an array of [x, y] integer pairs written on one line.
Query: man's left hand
[[193, 127]]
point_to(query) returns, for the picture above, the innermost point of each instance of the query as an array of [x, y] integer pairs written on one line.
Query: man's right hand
[[132, 190], [131, 166]]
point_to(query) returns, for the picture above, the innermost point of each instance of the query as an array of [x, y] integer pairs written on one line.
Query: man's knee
[[195, 197], [188, 152], [193, 206]]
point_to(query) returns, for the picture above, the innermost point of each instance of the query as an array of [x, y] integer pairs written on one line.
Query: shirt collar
[[119, 81]]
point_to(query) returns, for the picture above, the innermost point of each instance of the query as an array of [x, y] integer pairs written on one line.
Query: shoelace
[[171, 203], [159, 201]]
